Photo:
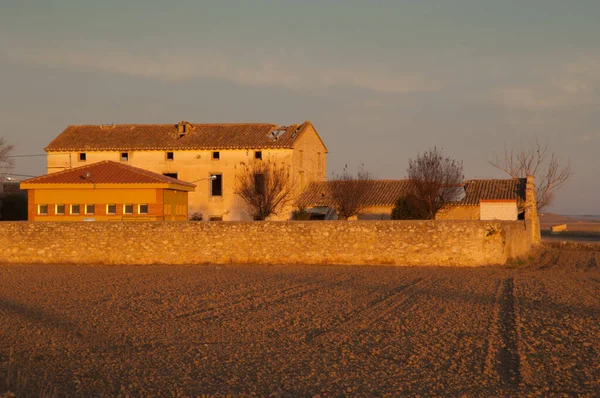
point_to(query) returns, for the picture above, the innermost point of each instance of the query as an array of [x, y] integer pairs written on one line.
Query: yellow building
[[106, 191], [194, 153]]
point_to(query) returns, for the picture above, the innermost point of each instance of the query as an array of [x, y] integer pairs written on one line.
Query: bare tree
[[348, 192], [6, 163], [436, 181], [535, 159], [266, 187]]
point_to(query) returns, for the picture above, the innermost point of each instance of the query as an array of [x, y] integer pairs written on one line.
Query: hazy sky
[[380, 80]]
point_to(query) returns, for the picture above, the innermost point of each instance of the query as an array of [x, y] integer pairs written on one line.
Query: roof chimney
[[183, 128]]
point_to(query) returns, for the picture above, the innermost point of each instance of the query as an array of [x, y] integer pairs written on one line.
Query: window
[[258, 155], [216, 155], [215, 218], [216, 185], [172, 175], [124, 156], [128, 209], [75, 209], [59, 210], [170, 156], [43, 210], [143, 209], [82, 157], [259, 183], [89, 209], [111, 209]]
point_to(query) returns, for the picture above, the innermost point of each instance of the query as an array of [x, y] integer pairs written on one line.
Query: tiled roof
[[380, 193], [168, 136], [386, 192], [105, 172], [476, 190]]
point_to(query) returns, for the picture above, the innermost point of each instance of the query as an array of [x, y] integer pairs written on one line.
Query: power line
[[20, 175], [26, 156]]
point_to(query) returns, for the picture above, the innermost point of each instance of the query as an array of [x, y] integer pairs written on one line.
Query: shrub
[[196, 217], [408, 208]]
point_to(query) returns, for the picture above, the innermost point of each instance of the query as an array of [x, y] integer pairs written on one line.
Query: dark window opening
[[124, 156], [74, 209], [216, 185], [82, 157], [43, 209], [215, 218], [259, 183], [60, 209], [89, 209], [128, 209], [216, 155], [170, 156], [172, 175], [143, 209], [258, 155]]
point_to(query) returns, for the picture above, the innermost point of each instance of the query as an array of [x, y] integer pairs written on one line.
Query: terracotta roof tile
[[167, 136], [105, 172], [476, 190], [381, 193], [386, 192]]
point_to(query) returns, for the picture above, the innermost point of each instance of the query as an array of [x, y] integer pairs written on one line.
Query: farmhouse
[[210, 154], [377, 204], [107, 191]]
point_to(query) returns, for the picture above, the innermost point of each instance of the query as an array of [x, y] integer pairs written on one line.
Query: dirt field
[[533, 328]]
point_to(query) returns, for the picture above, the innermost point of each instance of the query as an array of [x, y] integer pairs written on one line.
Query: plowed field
[[303, 330]]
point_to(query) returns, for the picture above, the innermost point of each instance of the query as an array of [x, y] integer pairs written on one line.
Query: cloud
[[260, 73], [567, 86]]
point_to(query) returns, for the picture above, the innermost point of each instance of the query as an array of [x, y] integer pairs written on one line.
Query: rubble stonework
[[435, 243], [531, 213]]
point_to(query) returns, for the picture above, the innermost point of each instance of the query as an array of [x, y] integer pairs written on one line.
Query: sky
[[382, 81]]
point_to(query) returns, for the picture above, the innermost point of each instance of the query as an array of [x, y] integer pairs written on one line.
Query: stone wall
[[444, 243]]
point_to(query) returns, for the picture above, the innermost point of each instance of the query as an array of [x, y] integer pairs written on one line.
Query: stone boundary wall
[[436, 243]]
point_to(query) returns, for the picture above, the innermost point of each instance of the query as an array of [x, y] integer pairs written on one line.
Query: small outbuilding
[[107, 191], [492, 199], [377, 204]]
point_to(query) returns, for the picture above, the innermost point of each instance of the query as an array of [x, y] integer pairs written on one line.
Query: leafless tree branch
[[6, 163], [435, 180], [266, 187], [534, 158], [348, 192]]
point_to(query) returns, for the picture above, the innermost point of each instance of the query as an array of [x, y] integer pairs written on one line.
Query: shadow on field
[[37, 315]]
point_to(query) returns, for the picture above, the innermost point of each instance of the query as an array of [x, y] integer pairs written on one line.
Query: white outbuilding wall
[[498, 210]]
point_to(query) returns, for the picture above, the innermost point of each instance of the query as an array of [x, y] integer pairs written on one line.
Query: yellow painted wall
[[100, 198], [175, 205], [192, 165], [95, 196]]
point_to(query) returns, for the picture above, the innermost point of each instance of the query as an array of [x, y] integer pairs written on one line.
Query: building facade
[[209, 155], [106, 191]]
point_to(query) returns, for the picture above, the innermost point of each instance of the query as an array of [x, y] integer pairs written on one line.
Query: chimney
[[531, 209], [183, 128]]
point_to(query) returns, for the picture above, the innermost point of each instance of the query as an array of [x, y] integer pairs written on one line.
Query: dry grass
[[303, 330]]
